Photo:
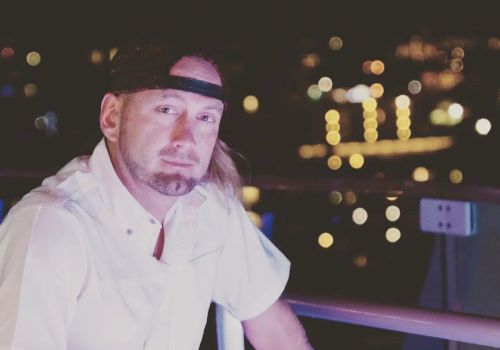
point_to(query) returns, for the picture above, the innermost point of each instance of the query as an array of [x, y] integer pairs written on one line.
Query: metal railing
[[453, 326]]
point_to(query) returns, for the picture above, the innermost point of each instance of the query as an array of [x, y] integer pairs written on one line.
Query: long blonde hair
[[222, 171]]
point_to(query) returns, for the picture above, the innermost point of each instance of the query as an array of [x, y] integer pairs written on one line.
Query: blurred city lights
[[47, 123], [380, 115], [33, 58], [325, 84], [358, 93], [30, 90], [306, 152], [392, 235], [370, 135], [320, 150], [483, 126], [96, 57], [333, 138], [370, 114], [359, 216], [350, 198], [332, 116], [335, 43], [334, 162], [392, 213], [402, 102], [7, 53], [250, 196], [314, 92], [339, 96], [457, 52], [376, 90], [403, 134], [367, 67], [360, 261], [251, 104], [332, 127], [335, 197], [494, 43], [377, 67], [421, 174], [325, 240], [391, 198], [456, 176], [370, 104], [311, 60], [456, 111], [414, 87], [356, 161], [456, 65]]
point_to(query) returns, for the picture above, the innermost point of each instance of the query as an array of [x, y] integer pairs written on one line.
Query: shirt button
[[153, 221], [129, 232]]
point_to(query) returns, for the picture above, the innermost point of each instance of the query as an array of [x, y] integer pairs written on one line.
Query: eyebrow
[[172, 93]]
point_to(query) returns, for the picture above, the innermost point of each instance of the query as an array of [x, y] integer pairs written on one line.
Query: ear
[[109, 119]]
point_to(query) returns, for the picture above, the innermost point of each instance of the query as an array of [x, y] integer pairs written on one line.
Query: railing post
[[229, 331]]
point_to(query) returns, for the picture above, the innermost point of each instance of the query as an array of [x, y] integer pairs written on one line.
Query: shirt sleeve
[[251, 272], [42, 268]]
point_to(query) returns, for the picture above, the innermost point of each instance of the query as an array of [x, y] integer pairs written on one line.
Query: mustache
[[173, 153]]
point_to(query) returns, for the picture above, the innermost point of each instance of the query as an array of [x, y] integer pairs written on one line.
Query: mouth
[[177, 163]]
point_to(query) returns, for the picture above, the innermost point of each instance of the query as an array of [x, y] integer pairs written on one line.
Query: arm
[[276, 328]]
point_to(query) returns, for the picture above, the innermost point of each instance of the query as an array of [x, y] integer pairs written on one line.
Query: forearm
[[276, 328]]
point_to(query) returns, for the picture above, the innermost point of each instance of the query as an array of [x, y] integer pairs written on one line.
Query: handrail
[[455, 326]]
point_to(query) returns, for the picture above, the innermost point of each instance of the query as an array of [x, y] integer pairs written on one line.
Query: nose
[[182, 134]]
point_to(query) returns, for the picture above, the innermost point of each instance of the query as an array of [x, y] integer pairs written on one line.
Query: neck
[[156, 203]]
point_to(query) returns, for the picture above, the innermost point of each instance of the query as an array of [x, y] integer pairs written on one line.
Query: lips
[[178, 163]]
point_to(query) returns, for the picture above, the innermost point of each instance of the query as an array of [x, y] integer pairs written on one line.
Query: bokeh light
[[335, 197], [456, 176], [370, 104], [30, 90], [376, 90], [255, 218], [7, 53], [339, 95], [251, 104], [402, 102], [414, 87], [333, 138], [350, 198], [112, 53], [359, 216], [33, 58], [96, 57], [7, 90], [325, 240], [325, 84], [334, 162], [314, 92], [360, 261], [483, 126], [392, 213], [377, 67], [311, 60], [332, 116], [421, 174], [335, 43], [356, 160], [392, 235], [250, 196]]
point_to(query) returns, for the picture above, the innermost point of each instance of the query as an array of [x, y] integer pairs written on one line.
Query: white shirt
[[77, 271]]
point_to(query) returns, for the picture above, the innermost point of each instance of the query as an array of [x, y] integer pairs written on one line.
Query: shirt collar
[[123, 204]]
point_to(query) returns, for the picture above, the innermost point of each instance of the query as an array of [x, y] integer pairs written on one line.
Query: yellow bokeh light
[[96, 57], [421, 174], [377, 90], [325, 240], [250, 195], [414, 87], [360, 261], [456, 65], [377, 67], [335, 197], [332, 127], [335, 43], [392, 213], [391, 198], [325, 84], [370, 124], [350, 198], [112, 52], [359, 216], [457, 52], [320, 150], [370, 114], [30, 90], [356, 160], [456, 176], [255, 218], [402, 102], [251, 104], [33, 58], [333, 138], [310, 60], [403, 113], [334, 162], [370, 104], [403, 134], [371, 135], [332, 116], [403, 123], [306, 152], [392, 235], [483, 126], [314, 92]]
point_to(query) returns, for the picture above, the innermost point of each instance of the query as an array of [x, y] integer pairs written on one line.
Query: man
[[126, 249]]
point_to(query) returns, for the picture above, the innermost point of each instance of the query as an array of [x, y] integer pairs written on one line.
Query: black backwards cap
[[143, 67]]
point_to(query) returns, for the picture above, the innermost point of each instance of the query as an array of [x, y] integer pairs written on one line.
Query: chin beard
[[171, 184]]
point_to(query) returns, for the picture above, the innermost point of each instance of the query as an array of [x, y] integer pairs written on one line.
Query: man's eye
[[167, 110], [207, 118]]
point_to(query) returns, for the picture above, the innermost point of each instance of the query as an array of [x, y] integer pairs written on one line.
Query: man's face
[[166, 137]]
